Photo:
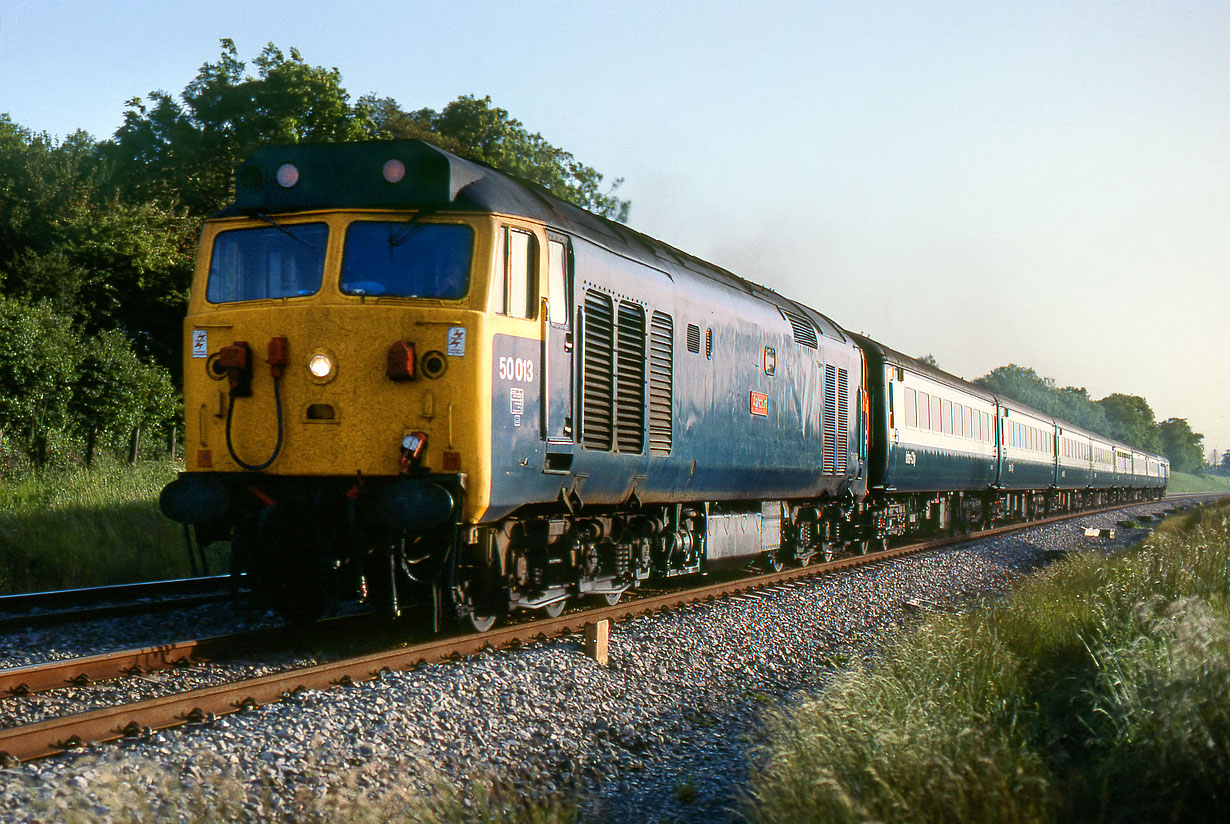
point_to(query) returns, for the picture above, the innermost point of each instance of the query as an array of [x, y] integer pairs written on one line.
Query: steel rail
[[37, 609], [47, 738]]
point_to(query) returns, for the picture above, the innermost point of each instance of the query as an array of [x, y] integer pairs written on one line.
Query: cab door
[[558, 376]]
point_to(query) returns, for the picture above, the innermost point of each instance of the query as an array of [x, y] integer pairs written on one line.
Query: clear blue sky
[[1043, 183]]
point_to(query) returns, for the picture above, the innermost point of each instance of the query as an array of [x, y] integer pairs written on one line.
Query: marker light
[[288, 175], [394, 170], [320, 365]]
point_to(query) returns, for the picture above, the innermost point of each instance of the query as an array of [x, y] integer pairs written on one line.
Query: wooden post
[[136, 445], [596, 638], [174, 440]]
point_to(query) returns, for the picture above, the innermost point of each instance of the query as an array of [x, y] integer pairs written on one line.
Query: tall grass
[[127, 791], [1099, 691], [87, 527]]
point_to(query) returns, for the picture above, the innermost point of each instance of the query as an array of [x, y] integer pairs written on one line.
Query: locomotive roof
[[352, 176]]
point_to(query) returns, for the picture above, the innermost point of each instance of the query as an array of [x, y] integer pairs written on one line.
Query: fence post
[[174, 441], [136, 445]]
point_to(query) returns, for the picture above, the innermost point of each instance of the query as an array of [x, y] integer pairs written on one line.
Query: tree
[[38, 355], [929, 360], [41, 182], [115, 266], [59, 385], [1131, 421], [475, 129], [1183, 447], [186, 150]]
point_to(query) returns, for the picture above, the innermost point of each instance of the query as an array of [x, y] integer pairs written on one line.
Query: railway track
[[41, 609], [38, 740]]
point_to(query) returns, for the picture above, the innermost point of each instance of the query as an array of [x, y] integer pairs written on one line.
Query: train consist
[[413, 381]]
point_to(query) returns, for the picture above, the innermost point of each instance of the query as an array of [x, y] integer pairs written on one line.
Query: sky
[[1039, 183]]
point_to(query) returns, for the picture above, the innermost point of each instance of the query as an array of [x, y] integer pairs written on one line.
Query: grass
[[76, 527], [1098, 691], [208, 790], [1182, 482]]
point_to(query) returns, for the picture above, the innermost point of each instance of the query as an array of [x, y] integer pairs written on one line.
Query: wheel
[[805, 560], [556, 609], [827, 551], [481, 623], [772, 561], [612, 598]]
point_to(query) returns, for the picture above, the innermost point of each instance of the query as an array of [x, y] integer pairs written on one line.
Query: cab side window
[[514, 291], [557, 281]]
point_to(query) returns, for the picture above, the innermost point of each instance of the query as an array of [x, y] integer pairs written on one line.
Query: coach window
[[924, 410], [513, 291], [946, 416], [911, 408], [935, 414]]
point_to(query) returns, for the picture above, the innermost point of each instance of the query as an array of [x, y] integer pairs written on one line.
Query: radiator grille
[[693, 338], [661, 383], [804, 332], [630, 378], [597, 371], [829, 463], [843, 421]]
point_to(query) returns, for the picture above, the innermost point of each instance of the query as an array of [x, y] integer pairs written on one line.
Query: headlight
[[322, 367]]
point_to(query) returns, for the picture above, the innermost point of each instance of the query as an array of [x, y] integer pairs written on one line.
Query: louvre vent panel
[[693, 338], [843, 421], [630, 378], [661, 383], [598, 372], [804, 332], [829, 425]]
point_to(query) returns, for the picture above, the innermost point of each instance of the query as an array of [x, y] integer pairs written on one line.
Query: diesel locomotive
[[415, 382]]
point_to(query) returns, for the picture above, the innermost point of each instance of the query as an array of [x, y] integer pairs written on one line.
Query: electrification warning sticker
[[456, 341], [200, 343], [760, 404]]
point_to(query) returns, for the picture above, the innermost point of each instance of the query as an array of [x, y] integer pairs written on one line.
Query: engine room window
[[407, 260], [514, 291], [283, 261]]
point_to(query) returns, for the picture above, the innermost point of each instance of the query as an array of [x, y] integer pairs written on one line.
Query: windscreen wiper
[[283, 229]]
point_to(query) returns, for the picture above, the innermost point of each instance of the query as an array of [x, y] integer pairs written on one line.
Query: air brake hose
[[277, 447]]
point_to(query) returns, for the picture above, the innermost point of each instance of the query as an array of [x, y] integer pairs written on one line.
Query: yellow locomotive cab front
[[318, 344]]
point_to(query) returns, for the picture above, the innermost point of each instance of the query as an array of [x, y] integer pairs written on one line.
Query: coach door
[[557, 377]]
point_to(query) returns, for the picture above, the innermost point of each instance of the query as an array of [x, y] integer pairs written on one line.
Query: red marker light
[[401, 361]]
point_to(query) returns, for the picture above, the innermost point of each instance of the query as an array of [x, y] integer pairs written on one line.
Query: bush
[[61, 390]]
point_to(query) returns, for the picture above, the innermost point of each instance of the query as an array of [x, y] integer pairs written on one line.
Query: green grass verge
[[1182, 482], [207, 789], [80, 527], [1099, 691]]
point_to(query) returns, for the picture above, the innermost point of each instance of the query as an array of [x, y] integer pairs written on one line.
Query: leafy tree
[[115, 266], [41, 182], [116, 391], [1183, 447], [1131, 421], [1068, 403], [187, 150], [474, 128], [38, 356], [57, 385], [930, 360]]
